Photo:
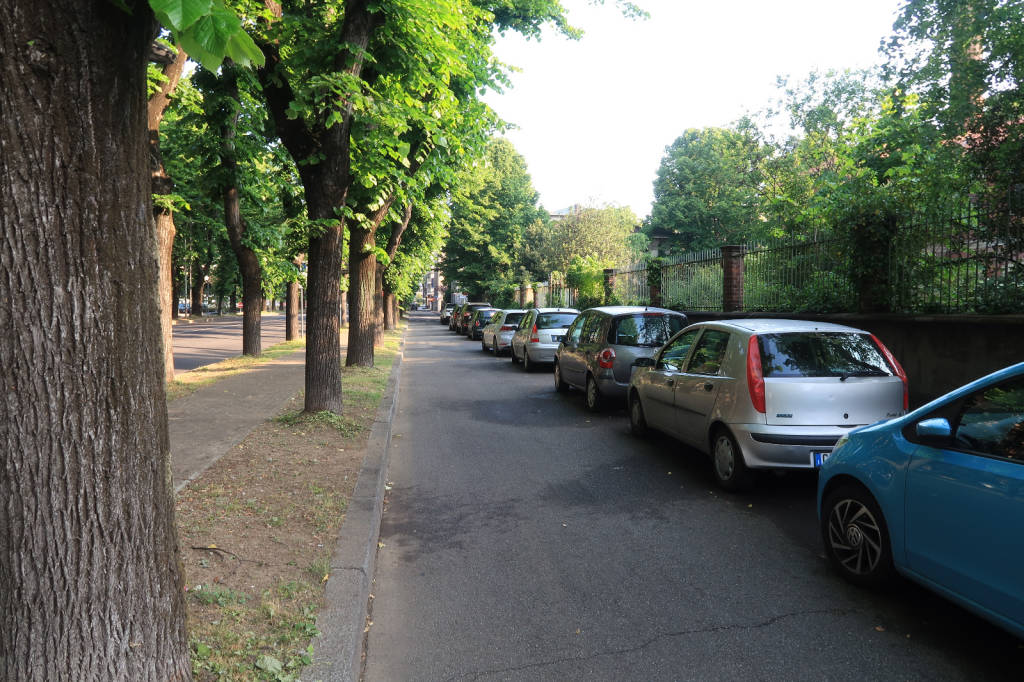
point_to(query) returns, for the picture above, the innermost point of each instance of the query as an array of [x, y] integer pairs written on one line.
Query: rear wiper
[[863, 373]]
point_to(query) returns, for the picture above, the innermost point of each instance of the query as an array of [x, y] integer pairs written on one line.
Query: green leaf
[[178, 15], [270, 664]]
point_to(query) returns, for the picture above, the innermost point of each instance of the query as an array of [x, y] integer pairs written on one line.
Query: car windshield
[[821, 354], [645, 329], [513, 318], [554, 320]]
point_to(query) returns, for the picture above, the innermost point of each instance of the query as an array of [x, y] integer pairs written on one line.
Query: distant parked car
[[477, 321], [456, 316], [599, 349], [446, 312], [765, 394], [497, 335], [539, 332], [937, 496], [465, 312]]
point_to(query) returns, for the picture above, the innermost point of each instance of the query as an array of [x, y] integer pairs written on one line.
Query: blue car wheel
[[856, 536]]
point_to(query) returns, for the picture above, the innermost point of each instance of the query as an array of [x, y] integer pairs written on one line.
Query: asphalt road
[[526, 539], [219, 338]]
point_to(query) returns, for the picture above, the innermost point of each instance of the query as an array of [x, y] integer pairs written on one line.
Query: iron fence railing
[[964, 260], [693, 281]]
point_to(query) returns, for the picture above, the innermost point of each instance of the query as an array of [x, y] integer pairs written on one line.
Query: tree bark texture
[[291, 325], [90, 582], [362, 276], [164, 219], [248, 261]]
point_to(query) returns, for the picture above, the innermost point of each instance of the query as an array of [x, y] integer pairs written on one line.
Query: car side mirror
[[934, 428], [643, 362]]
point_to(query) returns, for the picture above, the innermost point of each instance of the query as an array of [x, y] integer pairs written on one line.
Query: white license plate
[[818, 458]]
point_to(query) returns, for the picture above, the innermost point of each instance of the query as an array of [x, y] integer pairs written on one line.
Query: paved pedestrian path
[[205, 425]]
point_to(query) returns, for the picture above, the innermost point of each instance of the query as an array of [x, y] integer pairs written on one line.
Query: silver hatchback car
[[497, 335], [600, 347], [765, 394], [539, 332]]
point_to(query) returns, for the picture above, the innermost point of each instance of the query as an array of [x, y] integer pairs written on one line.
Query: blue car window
[[992, 421]]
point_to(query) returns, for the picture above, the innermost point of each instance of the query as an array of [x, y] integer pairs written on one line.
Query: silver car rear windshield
[[554, 320], [821, 354], [645, 329]]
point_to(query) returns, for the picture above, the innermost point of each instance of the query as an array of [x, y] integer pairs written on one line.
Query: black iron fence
[[965, 260]]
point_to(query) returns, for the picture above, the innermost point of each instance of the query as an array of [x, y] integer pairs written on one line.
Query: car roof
[[556, 310], [633, 310], [776, 326]]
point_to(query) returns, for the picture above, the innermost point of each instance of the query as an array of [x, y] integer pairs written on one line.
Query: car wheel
[[593, 397], [856, 536], [560, 385], [637, 420], [494, 348], [730, 470], [483, 346], [512, 352], [527, 365]]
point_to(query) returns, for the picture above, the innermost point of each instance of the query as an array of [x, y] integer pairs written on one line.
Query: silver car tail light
[[896, 368], [606, 358], [755, 375]]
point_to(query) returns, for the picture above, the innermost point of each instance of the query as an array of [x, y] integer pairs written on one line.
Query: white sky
[[594, 116]]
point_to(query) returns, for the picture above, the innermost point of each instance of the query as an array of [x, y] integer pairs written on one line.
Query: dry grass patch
[[257, 529]]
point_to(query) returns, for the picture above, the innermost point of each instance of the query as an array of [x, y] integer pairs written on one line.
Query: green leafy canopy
[[208, 30]]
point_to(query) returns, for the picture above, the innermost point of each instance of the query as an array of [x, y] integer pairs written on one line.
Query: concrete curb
[[338, 651]]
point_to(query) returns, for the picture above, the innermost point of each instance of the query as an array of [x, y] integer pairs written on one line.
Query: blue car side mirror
[[934, 428]]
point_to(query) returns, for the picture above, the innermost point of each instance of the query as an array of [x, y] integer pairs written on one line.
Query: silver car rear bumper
[[785, 447]]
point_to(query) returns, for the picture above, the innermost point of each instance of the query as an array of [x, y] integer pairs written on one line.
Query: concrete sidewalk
[[205, 425]]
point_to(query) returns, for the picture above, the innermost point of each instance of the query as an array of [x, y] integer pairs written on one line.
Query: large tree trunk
[[90, 582], [163, 219], [199, 271], [390, 309], [362, 312], [389, 302], [379, 318], [291, 326], [248, 261], [323, 156]]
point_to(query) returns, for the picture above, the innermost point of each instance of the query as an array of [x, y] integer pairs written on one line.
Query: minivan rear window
[[645, 329], [554, 320], [821, 354]]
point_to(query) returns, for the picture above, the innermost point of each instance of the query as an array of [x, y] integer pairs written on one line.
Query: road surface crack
[[648, 642]]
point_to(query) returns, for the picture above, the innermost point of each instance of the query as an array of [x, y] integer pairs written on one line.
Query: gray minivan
[[599, 349]]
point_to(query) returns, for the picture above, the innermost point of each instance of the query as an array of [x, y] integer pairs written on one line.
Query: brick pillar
[[528, 295], [732, 278], [609, 284]]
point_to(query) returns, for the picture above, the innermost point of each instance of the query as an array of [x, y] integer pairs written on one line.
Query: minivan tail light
[[897, 368], [755, 377], [533, 335], [606, 358]]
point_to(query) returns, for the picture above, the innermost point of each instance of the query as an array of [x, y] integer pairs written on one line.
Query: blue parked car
[[938, 496]]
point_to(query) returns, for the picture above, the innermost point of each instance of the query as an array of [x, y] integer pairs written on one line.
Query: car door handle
[[709, 386]]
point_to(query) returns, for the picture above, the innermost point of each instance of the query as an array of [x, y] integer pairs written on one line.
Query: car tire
[[527, 365], [494, 348], [560, 385], [856, 536], [592, 398], [727, 463], [637, 420], [512, 353]]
